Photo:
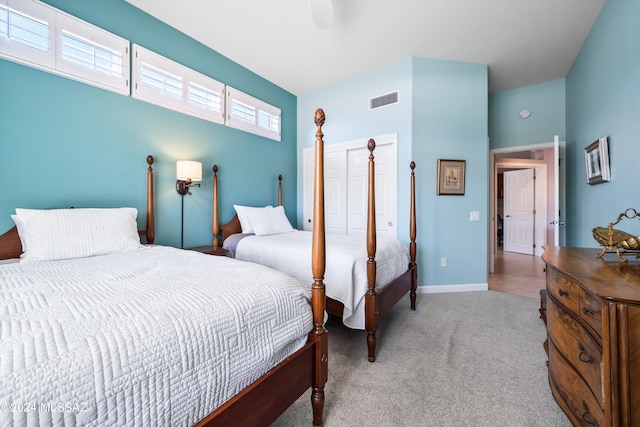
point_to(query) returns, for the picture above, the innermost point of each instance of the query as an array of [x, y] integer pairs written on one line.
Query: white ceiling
[[523, 41]]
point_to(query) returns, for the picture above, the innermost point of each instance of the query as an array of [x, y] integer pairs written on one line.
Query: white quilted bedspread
[[346, 264], [156, 337]]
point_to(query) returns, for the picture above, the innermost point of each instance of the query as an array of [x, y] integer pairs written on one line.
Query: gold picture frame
[[451, 177], [596, 158]]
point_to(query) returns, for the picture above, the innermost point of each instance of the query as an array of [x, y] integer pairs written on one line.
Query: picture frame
[[596, 158], [451, 177]]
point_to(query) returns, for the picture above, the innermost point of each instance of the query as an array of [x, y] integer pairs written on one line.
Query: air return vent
[[382, 100]]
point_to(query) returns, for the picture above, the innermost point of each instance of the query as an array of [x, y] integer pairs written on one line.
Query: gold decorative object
[[618, 241]]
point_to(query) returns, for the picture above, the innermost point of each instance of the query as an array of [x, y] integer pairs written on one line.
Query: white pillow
[[243, 216], [54, 234], [270, 221]]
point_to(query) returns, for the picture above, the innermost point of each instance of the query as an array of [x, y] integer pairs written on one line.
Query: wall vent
[[382, 100]]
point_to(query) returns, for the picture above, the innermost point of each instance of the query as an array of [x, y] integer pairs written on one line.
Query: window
[[37, 35], [247, 113], [166, 83]]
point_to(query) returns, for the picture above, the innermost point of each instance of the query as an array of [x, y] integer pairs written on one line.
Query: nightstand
[[209, 250]]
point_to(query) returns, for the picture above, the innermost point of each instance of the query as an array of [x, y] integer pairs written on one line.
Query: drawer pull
[[585, 310], [583, 355], [587, 417], [563, 293]]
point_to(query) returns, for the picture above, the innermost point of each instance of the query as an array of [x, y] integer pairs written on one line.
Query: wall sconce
[[187, 172]]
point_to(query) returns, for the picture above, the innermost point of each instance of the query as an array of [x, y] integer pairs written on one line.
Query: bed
[[364, 279], [112, 332]]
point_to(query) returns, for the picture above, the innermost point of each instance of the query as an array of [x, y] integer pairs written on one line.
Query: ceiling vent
[[382, 100]]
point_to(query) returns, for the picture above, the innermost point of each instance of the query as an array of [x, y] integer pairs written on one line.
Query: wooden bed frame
[[262, 402], [377, 303]]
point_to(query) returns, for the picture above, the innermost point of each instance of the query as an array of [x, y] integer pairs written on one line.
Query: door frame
[[494, 164]]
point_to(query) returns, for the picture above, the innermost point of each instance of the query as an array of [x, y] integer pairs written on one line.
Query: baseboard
[[452, 288]]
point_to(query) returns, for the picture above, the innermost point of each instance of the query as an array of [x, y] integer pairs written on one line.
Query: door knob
[[390, 224]]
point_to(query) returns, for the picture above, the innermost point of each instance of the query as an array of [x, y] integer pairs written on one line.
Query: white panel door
[[385, 190], [335, 192], [307, 189], [346, 172], [519, 203]]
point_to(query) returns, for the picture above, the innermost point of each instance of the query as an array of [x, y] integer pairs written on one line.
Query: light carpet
[[461, 359]]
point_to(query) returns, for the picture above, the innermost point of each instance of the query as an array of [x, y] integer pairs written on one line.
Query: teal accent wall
[[603, 98], [64, 143], [442, 113], [546, 101]]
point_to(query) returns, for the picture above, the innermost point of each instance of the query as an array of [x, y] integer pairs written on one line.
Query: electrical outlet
[[443, 262]]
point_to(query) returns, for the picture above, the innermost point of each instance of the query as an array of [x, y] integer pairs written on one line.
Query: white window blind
[[252, 115], [35, 34], [161, 81]]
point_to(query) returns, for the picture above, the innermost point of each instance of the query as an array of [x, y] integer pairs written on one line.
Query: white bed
[[362, 285], [346, 264], [157, 335]]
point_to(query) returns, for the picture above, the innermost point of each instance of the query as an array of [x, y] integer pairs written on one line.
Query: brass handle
[[563, 293], [587, 417], [583, 355], [585, 310]]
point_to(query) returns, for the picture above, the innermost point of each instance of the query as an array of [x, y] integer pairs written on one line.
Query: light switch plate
[[474, 216]]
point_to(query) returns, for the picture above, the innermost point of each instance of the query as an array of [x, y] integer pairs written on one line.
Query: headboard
[[233, 226], [10, 246]]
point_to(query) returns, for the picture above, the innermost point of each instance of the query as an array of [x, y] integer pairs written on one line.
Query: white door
[[307, 189], [346, 171], [519, 203], [335, 192], [385, 190]]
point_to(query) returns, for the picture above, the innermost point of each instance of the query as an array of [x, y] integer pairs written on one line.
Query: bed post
[[412, 235], [150, 231], [214, 220], [370, 301], [319, 333], [279, 190]]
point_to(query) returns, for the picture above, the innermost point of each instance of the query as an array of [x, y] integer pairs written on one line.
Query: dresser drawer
[[562, 289], [578, 346], [574, 392], [590, 309]]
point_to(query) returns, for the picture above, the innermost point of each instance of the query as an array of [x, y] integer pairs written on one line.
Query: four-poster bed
[[359, 302], [136, 343]]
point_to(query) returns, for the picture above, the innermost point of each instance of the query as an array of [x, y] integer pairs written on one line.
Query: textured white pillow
[[270, 221], [54, 234], [243, 216]]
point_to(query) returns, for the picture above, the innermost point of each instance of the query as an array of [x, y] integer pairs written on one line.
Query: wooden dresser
[[593, 330]]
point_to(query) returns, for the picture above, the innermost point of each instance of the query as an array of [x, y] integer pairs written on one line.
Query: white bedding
[[346, 264], [153, 337]]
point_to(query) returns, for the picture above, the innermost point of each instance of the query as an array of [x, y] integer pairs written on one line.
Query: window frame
[[52, 61], [182, 104], [235, 95]]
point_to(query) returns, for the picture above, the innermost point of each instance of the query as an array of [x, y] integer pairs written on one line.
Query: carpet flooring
[[461, 359]]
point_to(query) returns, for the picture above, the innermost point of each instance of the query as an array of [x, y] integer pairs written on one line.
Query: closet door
[[335, 191], [386, 195], [346, 178]]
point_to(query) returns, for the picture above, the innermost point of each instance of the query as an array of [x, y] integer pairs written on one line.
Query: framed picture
[[596, 158], [451, 177]]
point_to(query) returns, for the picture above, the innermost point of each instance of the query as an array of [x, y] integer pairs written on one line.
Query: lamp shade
[[188, 170]]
